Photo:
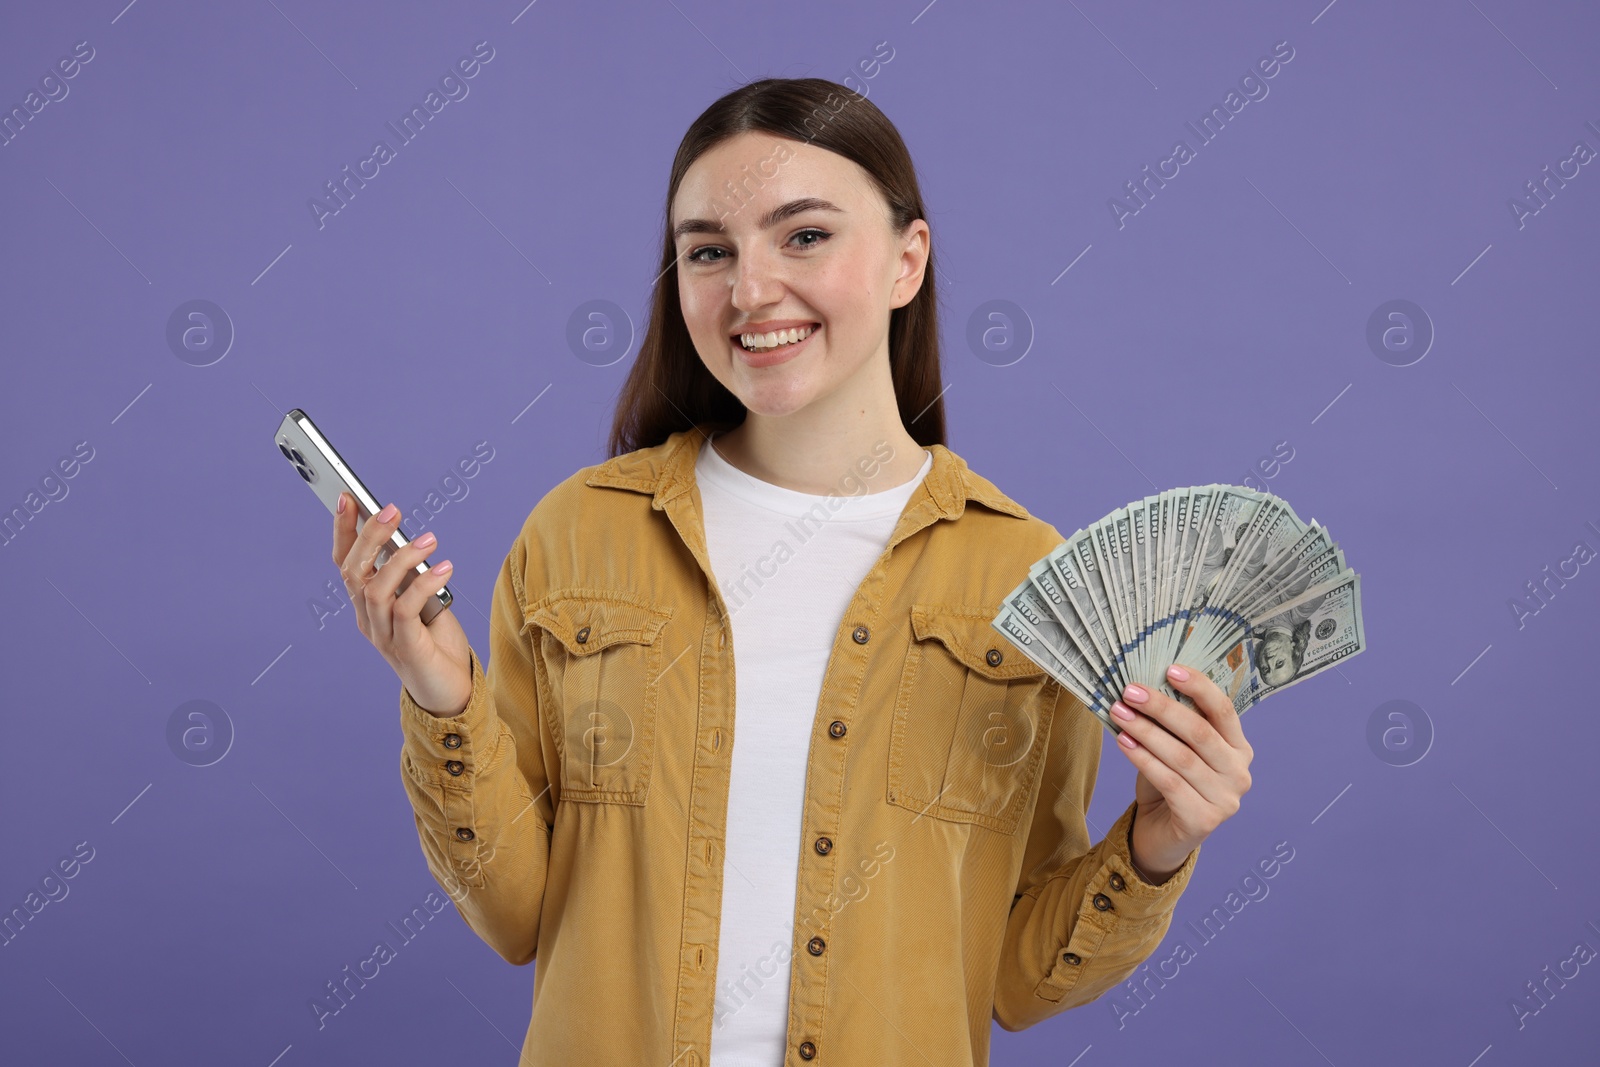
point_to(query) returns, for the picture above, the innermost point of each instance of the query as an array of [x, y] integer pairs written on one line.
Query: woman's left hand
[[1191, 774]]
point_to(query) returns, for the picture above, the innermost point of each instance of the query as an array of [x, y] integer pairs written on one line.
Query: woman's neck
[[820, 459]]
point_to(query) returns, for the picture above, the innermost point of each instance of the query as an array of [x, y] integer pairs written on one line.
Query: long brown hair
[[668, 388]]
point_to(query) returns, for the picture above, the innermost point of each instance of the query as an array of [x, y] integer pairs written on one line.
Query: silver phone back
[[319, 464]]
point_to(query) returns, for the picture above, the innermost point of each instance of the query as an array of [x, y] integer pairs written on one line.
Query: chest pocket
[[599, 673], [971, 721]]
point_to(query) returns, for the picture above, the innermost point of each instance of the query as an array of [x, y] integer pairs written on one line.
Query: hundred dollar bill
[[1216, 509], [1273, 529], [1030, 610], [1307, 547], [1071, 632], [1088, 557], [1234, 671], [1319, 560], [1072, 580], [1228, 523], [1185, 535], [1039, 651], [1222, 577], [1307, 635], [1103, 540], [1061, 634], [1227, 608], [1121, 540], [1142, 533], [1034, 647]]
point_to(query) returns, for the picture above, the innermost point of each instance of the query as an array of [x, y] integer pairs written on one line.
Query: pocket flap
[[971, 638], [589, 621]]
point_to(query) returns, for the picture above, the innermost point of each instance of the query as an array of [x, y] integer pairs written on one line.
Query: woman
[[886, 848]]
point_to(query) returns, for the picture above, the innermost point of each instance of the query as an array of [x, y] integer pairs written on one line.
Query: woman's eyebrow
[[770, 219]]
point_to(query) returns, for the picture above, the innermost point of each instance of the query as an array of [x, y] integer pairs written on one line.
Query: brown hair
[[668, 388]]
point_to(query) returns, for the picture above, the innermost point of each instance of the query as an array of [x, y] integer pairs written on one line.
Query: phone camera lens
[[285, 450]]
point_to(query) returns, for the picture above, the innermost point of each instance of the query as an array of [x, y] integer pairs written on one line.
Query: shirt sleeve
[[1082, 919], [478, 786]]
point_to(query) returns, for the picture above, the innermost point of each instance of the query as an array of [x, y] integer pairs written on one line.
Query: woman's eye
[[822, 235], [704, 254]]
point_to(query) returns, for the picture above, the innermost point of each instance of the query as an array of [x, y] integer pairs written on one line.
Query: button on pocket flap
[[970, 638], [590, 621]]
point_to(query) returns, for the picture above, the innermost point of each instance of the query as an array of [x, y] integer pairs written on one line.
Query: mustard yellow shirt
[[575, 810]]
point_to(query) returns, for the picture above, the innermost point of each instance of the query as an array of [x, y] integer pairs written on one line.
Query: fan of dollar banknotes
[[1219, 577]]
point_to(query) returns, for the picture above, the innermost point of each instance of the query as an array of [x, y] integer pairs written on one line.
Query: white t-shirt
[[788, 565]]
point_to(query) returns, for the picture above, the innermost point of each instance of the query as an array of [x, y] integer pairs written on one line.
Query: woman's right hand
[[432, 659]]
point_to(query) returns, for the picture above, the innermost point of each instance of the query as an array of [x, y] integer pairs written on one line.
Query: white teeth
[[758, 341]]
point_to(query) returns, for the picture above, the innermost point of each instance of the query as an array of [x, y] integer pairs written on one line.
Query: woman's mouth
[[767, 349]]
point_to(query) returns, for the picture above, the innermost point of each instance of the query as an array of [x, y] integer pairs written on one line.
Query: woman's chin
[[775, 398]]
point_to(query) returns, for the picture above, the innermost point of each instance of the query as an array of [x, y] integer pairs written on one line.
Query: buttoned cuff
[[1136, 898], [1121, 918], [446, 751]]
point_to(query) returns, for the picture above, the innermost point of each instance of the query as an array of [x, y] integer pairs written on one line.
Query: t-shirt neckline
[[842, 504]]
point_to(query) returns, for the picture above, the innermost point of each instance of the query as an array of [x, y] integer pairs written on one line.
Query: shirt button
[[1072, 958], [465, 833], [455, 767], [808, 1050], [1102, 902], [452, 740], [824, 846], [836, 728], [861, 634], [1117, 882], [815, 946], [583, 636], [993, 657]]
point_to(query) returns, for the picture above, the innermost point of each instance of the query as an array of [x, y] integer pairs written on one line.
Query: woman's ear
[[913, 263]]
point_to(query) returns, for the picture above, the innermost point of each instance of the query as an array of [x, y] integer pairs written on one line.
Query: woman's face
[[800, 238]]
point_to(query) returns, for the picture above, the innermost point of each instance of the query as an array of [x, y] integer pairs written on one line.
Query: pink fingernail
[[389, 511], [341, 503], [1177, 673], [1126, 740], [1122, 711], [1135, 693]]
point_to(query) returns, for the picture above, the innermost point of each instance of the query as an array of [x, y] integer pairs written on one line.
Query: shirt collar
[[666, 471]]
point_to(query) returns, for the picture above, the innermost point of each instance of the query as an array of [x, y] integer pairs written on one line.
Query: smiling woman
[[666, 827], [825, 236]]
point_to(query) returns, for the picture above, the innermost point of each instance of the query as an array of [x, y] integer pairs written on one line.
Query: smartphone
[[320, 465]]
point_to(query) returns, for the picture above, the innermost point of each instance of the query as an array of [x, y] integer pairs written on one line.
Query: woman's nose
[[757, 282]]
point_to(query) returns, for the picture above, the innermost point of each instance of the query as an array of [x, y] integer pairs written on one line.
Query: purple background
[[1228, 315]]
